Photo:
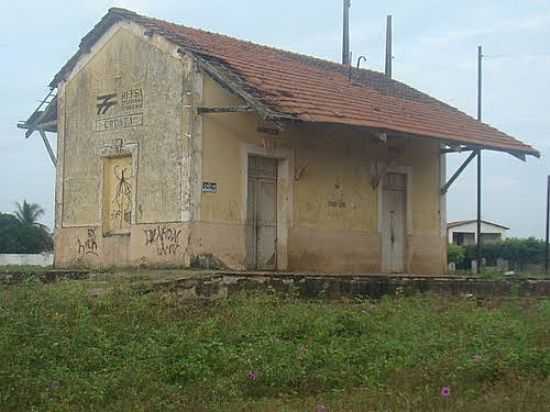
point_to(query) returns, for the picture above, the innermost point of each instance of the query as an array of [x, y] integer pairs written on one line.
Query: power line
[[512, 56]]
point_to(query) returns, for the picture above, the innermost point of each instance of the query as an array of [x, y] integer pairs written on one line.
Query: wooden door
[[262, 213], [394, 223]]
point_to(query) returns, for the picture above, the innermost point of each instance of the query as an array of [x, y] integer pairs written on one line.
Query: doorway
[[394, 223], [262, 213]]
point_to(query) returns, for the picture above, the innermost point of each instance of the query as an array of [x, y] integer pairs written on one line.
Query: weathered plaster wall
[[329, 211], [125, 63], [333, 222], [128, 97], [220, 228], [158, 245]]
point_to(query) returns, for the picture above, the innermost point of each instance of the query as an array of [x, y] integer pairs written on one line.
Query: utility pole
[[479, 116], [546, 251], [346, 58], [479, 81], [389, 46]]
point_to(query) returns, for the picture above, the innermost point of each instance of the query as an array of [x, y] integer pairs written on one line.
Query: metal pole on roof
[[479, 115], [546, 251], [346, 58], [389, 46]]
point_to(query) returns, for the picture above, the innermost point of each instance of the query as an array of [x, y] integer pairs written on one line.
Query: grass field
[[61, 350]]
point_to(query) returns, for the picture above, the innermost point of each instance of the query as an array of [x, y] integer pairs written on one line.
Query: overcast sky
[[435, 46]]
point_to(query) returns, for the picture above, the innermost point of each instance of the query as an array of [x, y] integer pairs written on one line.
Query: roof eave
[[230, 78]]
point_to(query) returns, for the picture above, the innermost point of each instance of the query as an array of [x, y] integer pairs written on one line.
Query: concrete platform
[[314, 285], [204, 284]]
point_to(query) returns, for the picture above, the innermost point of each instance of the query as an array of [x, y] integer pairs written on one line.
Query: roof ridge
[[272, 76], [124, 12]]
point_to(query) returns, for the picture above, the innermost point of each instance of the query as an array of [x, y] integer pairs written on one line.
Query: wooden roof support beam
[[227, 109], [520, 156], [458, 149], [40, 114], [459, 171], [48, 147], [462, 149], [452, 146], [234, 84], [50, 126]]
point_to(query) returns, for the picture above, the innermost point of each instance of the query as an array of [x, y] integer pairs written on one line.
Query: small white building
[[464, 232]]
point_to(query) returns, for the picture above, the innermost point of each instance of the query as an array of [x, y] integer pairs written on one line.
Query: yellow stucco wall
[[329, 211], [146, 125], [124, 63], [333, 221]]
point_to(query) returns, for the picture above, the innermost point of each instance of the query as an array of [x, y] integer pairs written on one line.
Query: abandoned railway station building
[[177, 147]]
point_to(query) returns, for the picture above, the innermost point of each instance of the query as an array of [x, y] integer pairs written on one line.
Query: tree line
[[21, 233], [518, 252]]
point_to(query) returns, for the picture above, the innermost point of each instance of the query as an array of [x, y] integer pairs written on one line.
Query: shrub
[[455, 254], [518, 252]]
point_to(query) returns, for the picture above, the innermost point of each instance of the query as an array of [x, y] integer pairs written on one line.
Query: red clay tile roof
[[308, 89]]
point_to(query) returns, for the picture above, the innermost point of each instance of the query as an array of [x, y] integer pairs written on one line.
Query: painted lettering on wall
[[119, 109], [89, 245], [119, 122], [164, 239], [105, 103], [132, 99]]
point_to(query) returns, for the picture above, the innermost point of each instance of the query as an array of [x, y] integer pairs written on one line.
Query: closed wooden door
[[394, 223], [262, 213]]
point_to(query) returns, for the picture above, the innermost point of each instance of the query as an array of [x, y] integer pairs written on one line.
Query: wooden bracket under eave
[[225, 109]]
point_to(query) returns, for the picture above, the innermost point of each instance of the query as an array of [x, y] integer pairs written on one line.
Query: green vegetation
[[64, 348], [455, 254], [521, 254], [21, 233], [28, 213]]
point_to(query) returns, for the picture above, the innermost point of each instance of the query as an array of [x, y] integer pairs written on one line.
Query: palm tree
[[28, 213]]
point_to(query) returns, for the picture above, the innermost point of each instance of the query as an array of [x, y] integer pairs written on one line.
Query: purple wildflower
[[445, 391], [252, 376]]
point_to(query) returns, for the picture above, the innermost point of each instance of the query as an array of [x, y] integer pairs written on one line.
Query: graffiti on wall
[[121, 208], [164, 239], [337, 197], [89, 245]]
